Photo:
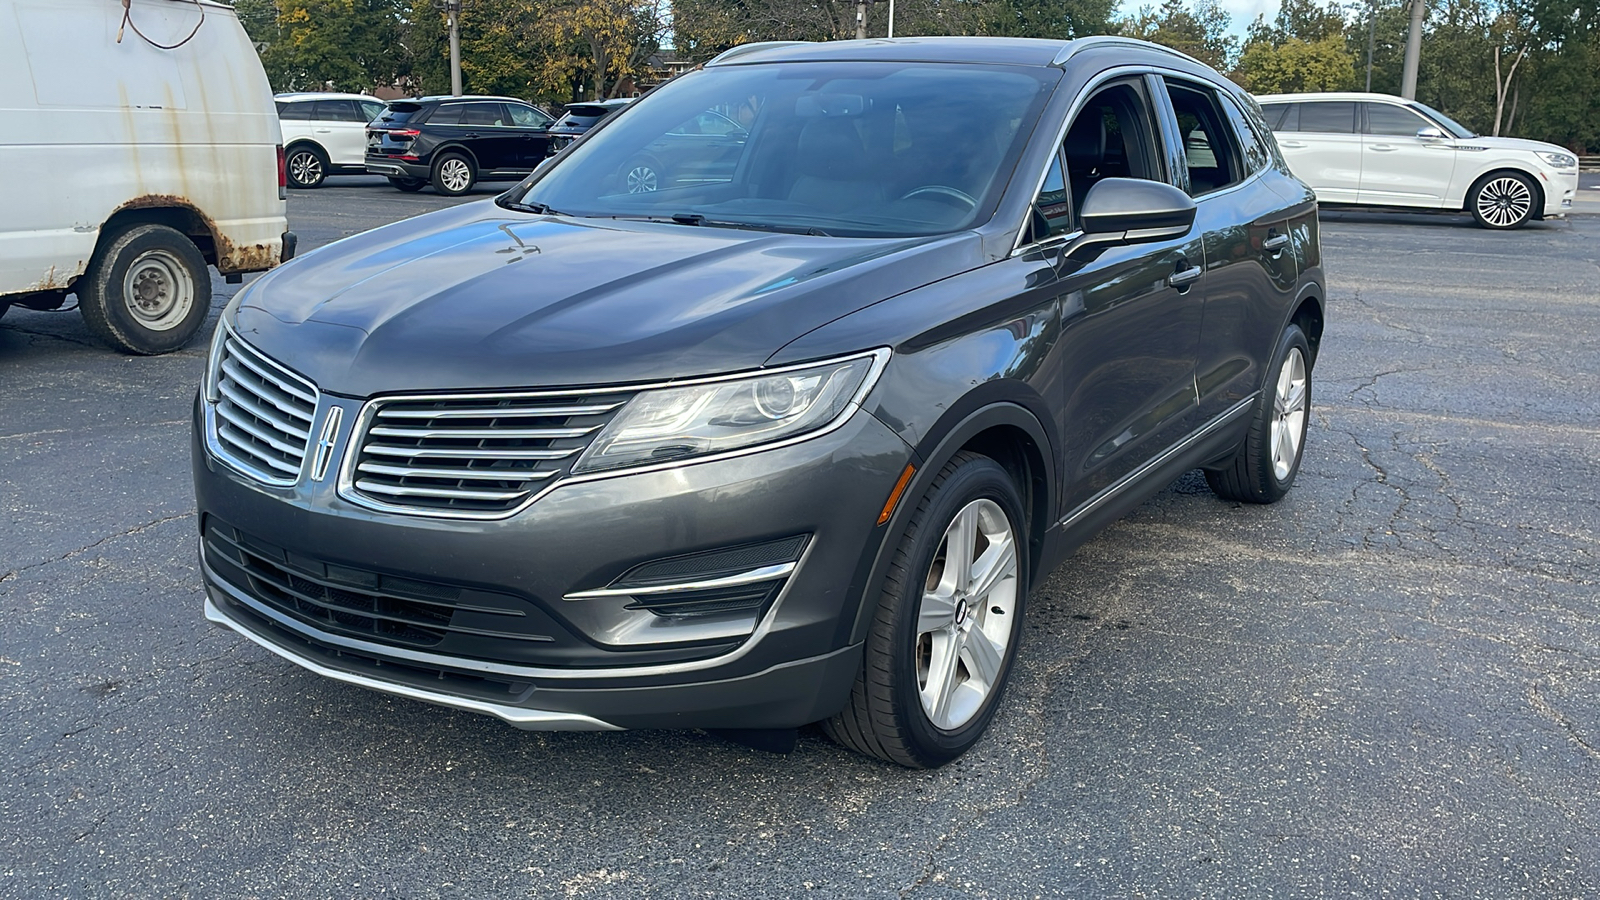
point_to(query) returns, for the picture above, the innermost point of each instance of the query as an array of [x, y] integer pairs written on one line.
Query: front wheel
[[1503, 201], [1263, 468], [947, 625], [146, 290]]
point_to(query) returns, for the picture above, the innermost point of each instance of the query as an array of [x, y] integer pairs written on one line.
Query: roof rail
[[1074, 47], [733, 53]]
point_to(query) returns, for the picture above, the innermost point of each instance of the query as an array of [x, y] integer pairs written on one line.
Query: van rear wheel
[[146, 291]]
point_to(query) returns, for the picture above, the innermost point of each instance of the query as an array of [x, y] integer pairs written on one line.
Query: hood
[[1506, 143], [478, 297]]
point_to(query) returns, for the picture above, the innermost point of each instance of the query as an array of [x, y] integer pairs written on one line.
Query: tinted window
[[448, 114], [1209, 143], [527, 116], [1383, 118], [1328, 117], [1256, 156], [1273, 113], [371, 109], [337, 111], [400, 112], [708, 122], [1053, 204], [483, 114], [295, 112], [1111, 137]]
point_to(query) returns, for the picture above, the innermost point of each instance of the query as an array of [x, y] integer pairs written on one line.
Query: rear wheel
[[409, 185], [1263, 469], [642, 175], [947, 624], [146, 291], [306, 167], [453, 175], [1503, 201]]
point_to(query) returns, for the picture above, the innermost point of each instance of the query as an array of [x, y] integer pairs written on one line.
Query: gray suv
[[789, 439]]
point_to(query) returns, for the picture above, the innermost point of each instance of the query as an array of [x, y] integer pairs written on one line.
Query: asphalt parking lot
[[1387, 684]]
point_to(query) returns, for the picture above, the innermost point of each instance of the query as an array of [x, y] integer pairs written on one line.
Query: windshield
[[856, 149], [1443, 121]]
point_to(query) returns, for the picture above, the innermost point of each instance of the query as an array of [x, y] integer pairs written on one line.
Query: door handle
[[322, 131], [1383, 148], [470, 134], [1182, 278], [1294, 145], [1275, 242]]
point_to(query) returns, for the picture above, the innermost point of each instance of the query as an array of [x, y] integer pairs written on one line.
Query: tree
[[1296, 65], [1202, 32], [347, 45]]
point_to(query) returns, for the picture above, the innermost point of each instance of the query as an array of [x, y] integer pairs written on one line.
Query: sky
[[1243, 11]]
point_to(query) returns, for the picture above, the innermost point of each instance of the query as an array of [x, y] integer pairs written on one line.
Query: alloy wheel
[[642, 179], [456, 175], [1289, 414], [1504, 202], [305, 168], [158, 290], [963, 630]]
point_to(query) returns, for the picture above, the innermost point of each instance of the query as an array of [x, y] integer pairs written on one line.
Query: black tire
[[1501, 201], [409, 185], [641, 175], [451, 180], [1254, 474], [305, 166], [171, 290], [886, 716]]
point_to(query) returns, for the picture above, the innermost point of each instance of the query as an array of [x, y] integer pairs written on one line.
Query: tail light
[[283, 175], [403, 134]]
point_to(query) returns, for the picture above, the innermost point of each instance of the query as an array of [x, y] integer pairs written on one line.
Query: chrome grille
[[478, 456], [263, 413]]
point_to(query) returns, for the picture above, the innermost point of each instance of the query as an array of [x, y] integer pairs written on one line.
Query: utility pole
[[452, 10], [1408, 77], [861, 20], [1372, 35]]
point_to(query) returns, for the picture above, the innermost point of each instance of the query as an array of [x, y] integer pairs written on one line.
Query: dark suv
[[578, 118], [455, 142], [786, 441]]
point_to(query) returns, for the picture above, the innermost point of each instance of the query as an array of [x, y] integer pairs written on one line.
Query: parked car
[[702, 149], [578, 118], [133, 165], [789, 447], [1377, 150], [455, 142], [325, 134]]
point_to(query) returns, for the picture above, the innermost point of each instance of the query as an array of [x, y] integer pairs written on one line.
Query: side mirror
[[1133, 211], [1430, 133]]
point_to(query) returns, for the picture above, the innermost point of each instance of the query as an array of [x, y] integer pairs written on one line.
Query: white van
[[139, 144]]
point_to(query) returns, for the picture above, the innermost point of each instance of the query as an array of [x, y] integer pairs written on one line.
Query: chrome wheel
[[456, 175], [305, 169], [158, 290], [969, 599], [1504, 202], [1289, 414], [642, 179]]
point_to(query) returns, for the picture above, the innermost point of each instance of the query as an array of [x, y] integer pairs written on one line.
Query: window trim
[[1357, 117], [1235, 151], [1366, 122]]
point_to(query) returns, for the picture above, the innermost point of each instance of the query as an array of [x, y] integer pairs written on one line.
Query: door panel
[[1320, 142], [341, 130], [1397, 167]]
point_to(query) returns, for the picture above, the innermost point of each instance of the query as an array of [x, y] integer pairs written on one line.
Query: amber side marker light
[[894, 495]]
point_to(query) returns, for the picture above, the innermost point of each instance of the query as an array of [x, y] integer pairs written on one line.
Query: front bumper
[[790, 666], [1560, 191]]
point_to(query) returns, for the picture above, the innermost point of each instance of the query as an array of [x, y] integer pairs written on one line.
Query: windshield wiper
[[535, 208], [698, 220]]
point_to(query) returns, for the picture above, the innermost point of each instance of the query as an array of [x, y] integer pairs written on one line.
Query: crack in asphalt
[[1543, 707], [11, 575]]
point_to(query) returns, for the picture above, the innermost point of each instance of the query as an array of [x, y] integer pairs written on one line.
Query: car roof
[[447, 98], [613, 103], [1330, 95], [1037, 52], [322, 95]]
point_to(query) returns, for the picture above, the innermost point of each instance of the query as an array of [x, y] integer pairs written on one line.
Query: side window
[[1256, 156], [1052, 206], [481, 114], [1273, 113], [335, 111], [1112, 137], [1383, 118], [1328, 117], [1291, 118], [1208, 142], [448, 114], [295, 112], [527, 116], [371, 109]]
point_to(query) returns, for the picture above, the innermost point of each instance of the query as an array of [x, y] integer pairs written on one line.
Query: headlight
[[718, 416], [1558, 160]]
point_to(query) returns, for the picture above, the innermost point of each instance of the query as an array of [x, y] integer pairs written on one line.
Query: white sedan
[[1378, 150]]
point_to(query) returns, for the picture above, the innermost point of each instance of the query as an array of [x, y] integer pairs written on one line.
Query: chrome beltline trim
[[1111, 490], [753, 576], [527, 719], [477, 665], [352, 450]]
